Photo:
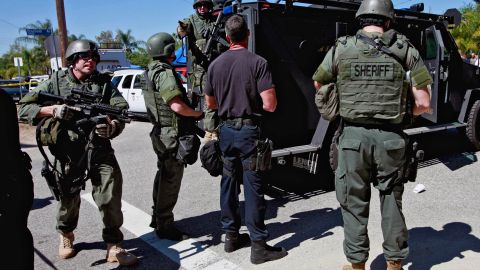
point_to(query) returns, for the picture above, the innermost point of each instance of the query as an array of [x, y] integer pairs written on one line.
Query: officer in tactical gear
[[16, 194], [170, 112], [369, 70], [195, 28], [82, 57]]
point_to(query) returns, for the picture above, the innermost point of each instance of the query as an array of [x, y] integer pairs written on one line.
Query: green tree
[[36, 40], [106, 40], [467, 34], [127, 40], [74, 37], [139, 57]]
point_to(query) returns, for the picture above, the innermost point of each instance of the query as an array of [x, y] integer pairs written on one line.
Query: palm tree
[[37, 40], [74, 37], [127, 40], [106, 40]]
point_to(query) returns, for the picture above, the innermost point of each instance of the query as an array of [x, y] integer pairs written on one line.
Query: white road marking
[[190, 253]]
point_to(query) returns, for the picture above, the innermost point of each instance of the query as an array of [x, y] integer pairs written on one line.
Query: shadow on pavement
[[41, 203], [429, 247], [450, 148]]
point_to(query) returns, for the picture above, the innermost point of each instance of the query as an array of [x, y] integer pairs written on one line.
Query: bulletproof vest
[[372, 86], [62, 137], [63, 83], [158, 111], [200, 26]]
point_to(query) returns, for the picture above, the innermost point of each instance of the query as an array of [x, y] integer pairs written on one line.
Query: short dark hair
[[236, 28]]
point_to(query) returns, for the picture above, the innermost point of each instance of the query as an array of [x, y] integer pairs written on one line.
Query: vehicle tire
[[333, 154], [473, 125]]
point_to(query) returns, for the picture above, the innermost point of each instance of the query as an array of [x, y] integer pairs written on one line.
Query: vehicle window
[[137, 84], [127, 82], [116, 80], [431, 46]]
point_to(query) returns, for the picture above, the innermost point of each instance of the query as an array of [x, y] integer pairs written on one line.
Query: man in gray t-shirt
[[240, 86]]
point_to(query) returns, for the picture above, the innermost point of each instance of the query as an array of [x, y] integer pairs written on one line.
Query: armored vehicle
[[294, 36]]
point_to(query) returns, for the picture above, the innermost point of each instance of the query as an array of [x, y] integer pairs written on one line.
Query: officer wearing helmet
[[171, 115], [369, 71], [103, 170], [195, 28]]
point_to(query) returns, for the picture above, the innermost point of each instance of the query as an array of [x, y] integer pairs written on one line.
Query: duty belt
[[239, 122], [384, 127]]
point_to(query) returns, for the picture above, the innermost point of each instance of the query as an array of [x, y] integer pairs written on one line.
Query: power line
[[9, 23]]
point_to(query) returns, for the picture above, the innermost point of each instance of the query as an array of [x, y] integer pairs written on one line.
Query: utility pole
[[62, 28]]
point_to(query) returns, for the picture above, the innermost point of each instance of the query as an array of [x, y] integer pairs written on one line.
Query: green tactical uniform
[[197, 26], [373, 94], [105, 172], [167, 126]]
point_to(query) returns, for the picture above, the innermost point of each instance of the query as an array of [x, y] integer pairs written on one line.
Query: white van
[[128, 82]]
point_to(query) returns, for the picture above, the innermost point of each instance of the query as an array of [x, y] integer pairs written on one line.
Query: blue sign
[[39, 32]]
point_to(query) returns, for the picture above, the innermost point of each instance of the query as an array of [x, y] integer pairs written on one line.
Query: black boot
[[261, 252], [234, 241]]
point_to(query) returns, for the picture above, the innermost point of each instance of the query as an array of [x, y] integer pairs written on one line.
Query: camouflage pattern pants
[[371, 156], [106, 178]]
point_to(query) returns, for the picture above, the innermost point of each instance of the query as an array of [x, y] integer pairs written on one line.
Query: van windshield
[[116, 80]]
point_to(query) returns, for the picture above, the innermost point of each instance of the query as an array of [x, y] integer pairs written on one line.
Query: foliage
[[139, 57], [467, 34], [35, 58]]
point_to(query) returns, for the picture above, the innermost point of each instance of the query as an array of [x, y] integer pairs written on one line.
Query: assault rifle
[[213, 34], [91, 111]]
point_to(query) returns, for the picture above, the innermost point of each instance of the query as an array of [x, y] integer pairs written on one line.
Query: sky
[[143, 17]]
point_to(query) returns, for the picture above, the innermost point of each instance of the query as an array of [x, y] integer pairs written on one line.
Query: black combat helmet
[[81, 46], [382, 8], [197, 2], [160, 45]]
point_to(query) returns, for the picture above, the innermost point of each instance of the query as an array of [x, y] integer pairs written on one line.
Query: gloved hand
[[182, 29], [108, 130], [64, 111]]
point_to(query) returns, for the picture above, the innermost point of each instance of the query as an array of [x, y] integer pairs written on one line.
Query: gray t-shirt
[[236, 79]]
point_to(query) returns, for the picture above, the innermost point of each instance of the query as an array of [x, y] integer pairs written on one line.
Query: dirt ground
[[27, 134]]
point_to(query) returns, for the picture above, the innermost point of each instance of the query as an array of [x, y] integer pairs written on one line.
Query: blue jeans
[[237, 144]]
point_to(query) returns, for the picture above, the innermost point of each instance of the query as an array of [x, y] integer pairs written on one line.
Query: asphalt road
[[443, 221]]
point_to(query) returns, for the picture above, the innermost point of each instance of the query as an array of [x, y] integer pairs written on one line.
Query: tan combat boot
[[394, 265], [65, 250], [115, 253], [354, 266]]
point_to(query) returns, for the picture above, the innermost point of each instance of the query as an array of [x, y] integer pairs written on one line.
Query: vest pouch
[[211, 158], [49, 131], [188, 146], [327, 101]]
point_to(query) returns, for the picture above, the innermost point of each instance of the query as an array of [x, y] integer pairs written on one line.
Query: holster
[[262, 159], [414, 155], [62, 185]]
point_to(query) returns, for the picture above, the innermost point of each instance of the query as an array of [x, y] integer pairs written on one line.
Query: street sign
[[38, 32], [18, 61]]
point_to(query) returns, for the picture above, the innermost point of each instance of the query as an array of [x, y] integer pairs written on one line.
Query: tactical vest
[[158, 111], [372, 86], [200, 27], [62, 85]]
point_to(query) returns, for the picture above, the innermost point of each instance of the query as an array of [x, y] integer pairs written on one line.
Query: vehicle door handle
[[133, 93]]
